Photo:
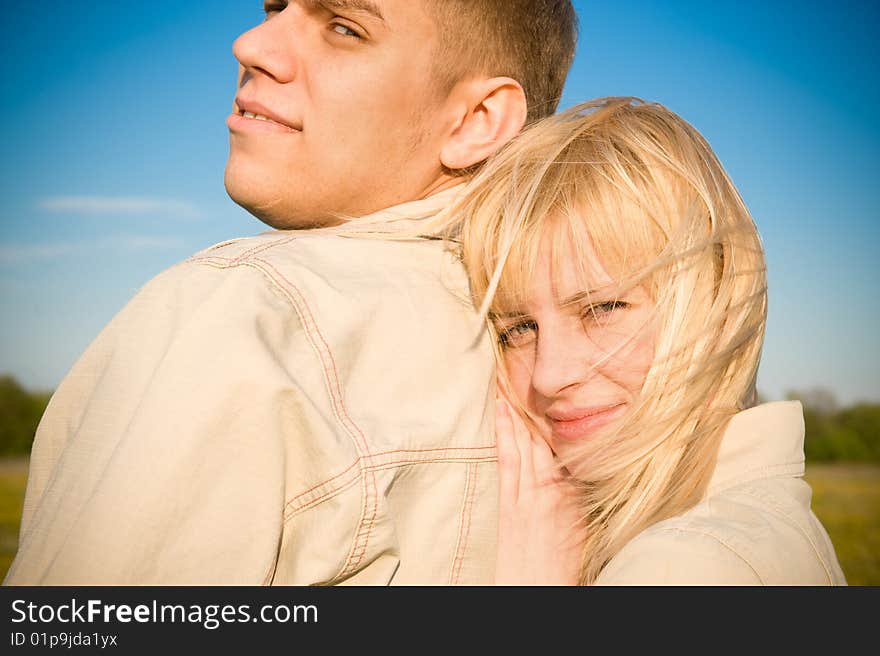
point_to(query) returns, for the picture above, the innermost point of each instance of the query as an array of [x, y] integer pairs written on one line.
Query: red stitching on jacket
[[331, 379], [386, 453], [225, 262], [369, 526], [470, 519], [378, 467], [334, 387], [262, 247], [329, 480], [351, 427], [470, 494], [461, 519], [288, 513]]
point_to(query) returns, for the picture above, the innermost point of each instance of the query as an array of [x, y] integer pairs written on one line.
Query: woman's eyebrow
[[507, 316], [579, 298]]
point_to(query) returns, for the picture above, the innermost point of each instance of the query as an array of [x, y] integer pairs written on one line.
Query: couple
[[317, 405]]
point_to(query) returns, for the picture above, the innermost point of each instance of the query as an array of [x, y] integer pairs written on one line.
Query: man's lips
[[578, 423], [249, 112]]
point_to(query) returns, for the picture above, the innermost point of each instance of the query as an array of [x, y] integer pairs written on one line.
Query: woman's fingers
[[523, 439], [538, 532], [525, 461], [546, 467]]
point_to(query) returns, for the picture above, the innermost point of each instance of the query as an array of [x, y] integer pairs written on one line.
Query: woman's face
[[576, 356]]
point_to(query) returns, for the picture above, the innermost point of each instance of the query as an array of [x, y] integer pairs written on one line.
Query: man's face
[[355, 118]]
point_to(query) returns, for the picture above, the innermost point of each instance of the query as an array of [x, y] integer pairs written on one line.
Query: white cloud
[[120, 205], [142, 242], [15, 254], [12, 254]]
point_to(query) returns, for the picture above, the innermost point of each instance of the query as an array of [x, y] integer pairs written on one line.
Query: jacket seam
[[464, 525], [331, 382], [329, 366], [779, 513], [395, 464], [215, 247], [793, 468], [314, 503], [720, 541], [370, 502], [273, 567], [260, 247], [442, 456]]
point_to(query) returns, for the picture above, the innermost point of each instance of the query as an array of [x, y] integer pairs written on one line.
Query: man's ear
[[491, 112]]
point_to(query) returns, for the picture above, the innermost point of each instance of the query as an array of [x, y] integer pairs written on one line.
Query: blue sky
[[116, 140]]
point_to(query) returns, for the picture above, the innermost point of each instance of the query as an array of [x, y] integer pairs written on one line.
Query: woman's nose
[[563, 359]]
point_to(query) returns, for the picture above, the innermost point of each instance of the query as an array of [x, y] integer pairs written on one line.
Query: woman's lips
[[578, 424]]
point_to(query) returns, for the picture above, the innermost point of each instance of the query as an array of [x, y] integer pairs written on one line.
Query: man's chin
[[253, 198], [274, 210]]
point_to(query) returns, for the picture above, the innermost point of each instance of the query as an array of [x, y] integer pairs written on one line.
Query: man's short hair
[[531, 41]]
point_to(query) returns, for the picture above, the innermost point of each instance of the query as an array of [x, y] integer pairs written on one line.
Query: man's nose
[[562, 361], [269, 48]]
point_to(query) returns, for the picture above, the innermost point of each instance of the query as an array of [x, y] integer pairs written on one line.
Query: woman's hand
[[539, 539]]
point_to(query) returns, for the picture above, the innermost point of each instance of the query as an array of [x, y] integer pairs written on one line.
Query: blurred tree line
[[20, 412], [834, 434]]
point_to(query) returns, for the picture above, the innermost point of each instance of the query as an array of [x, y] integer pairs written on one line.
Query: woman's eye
[[517, 334], [600, 310]]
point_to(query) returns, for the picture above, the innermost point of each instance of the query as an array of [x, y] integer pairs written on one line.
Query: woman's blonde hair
[[644, 188]]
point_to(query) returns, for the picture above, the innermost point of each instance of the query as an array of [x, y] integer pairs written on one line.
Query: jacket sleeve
[[162, 456], [673, 556]]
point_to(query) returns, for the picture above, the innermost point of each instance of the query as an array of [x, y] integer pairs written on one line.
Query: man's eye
[[518, 334], [344, 30], [273, 8]]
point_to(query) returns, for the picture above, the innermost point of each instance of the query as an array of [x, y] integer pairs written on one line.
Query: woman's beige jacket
[[754, 527]]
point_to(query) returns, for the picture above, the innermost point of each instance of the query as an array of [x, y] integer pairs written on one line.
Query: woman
[[625, 284]]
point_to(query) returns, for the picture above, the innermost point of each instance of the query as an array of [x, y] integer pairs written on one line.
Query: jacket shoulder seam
[[321, 348], [770, 507], [260, 247], [715, 538]]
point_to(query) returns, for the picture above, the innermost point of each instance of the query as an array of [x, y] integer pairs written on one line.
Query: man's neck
[[444, 182]]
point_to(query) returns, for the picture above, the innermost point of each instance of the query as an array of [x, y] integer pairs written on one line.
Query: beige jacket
[[293, 408], [755, 525]]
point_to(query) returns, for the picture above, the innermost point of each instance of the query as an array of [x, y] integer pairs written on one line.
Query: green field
[[845, 497], [13, 477]]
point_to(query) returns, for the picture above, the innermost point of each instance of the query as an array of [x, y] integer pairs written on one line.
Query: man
[[308, 406]]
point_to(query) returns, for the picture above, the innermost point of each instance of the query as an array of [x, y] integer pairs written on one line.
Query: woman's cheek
[[520, 374], [641, 359]]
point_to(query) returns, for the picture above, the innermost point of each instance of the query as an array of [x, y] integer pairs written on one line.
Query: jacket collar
[[404, 218], [764, 441]]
